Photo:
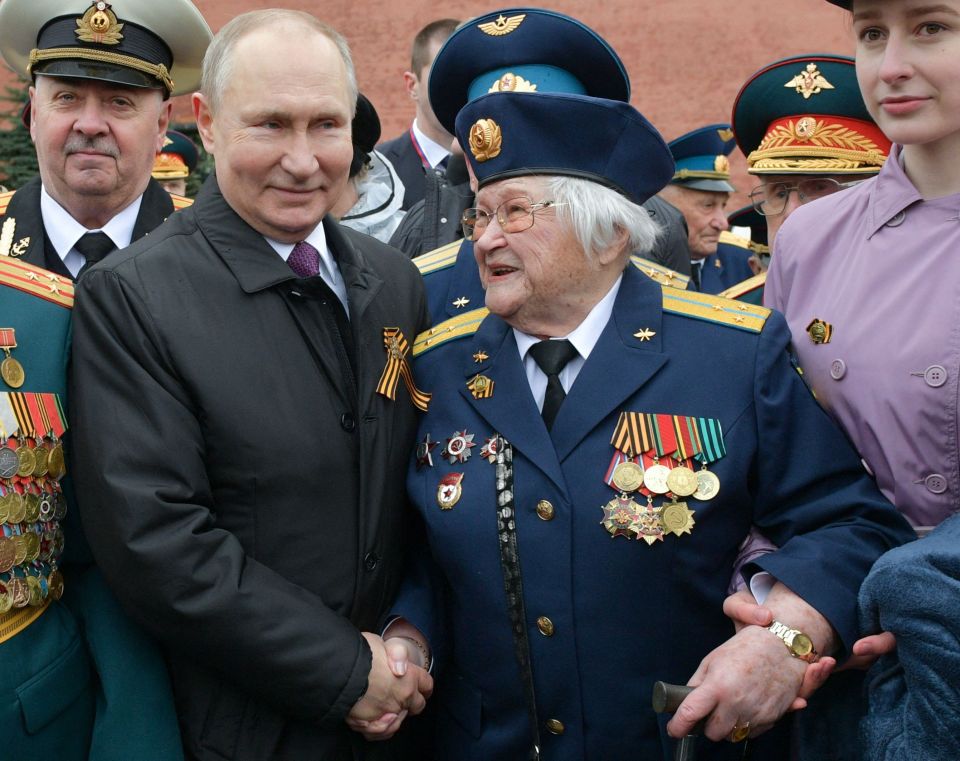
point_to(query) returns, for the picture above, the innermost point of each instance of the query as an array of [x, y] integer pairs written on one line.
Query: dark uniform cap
[[177, 158], [701, 157], [135, 43], [805, 115], [523, 49], [518, 134]]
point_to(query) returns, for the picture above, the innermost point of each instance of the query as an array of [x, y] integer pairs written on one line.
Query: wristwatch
[[798, 643]]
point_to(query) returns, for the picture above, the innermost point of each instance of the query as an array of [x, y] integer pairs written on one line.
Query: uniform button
[[371, 560], [545, 625], [935, 376], [555, 726], [348, 422], [935, 483], [443, 220], [897, 219], [545, 510], [838, 368]]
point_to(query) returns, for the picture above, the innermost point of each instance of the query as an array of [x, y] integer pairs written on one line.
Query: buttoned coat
[[623, 614], [252, 476]]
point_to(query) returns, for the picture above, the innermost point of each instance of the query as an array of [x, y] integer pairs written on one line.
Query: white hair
[[218, 61], [598, 215]]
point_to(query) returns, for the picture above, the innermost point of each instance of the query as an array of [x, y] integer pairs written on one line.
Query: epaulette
[[734, 240], [180, 202], [663, 275], [36, 281], [439, 258], [5, 201], [703, 306], [744, 287], [465, 324]]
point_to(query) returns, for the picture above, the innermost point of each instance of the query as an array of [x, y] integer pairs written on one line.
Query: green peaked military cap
[[135, 43], [523, 50]]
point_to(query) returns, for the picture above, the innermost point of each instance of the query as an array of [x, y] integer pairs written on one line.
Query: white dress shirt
[[329, 270]]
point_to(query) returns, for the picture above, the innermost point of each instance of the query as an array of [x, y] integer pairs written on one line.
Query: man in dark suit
[[425, 147], [78, 679], [252, 354]]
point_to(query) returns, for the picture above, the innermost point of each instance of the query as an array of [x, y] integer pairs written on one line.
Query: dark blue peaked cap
[[701, 157], [610, 142], [518, 49]]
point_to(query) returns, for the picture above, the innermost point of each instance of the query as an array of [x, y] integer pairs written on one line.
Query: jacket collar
[[255, 264], [891, 194]]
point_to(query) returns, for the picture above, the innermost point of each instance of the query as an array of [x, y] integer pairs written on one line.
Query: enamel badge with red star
[[458, 447]]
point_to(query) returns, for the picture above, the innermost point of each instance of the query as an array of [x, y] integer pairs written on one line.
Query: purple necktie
[[304, 260]]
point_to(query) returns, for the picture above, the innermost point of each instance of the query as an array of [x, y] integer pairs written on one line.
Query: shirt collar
[[434, 152], [891, 194], [317, 239], [585, 336], [64, 231]]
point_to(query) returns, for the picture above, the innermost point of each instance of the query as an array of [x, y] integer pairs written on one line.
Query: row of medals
[[623, 516], [32, 540]]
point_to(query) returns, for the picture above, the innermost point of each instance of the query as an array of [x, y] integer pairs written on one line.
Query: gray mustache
[[77, 143]]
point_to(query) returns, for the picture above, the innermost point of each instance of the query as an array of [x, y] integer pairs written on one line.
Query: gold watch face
[[801, 647]]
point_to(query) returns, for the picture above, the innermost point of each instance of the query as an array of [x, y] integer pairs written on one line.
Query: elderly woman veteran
[[583, 499]]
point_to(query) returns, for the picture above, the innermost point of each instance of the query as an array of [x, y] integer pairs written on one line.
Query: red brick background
[[687, 58]]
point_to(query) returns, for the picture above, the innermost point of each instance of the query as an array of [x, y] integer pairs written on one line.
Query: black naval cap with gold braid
[[134, 43]]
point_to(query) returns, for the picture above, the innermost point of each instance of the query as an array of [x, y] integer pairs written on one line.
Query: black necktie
[[552, 357], [93, 246], [695, 268]]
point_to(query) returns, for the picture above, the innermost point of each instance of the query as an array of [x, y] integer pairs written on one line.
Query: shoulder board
[[658, 272], [36, 281], [180, 202], [5, 201], [738, 290], [465, 324], [734, 240], [439, 258], [703, 306]]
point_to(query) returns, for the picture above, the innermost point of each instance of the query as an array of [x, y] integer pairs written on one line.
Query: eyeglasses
[[771, 199], [514, 216]]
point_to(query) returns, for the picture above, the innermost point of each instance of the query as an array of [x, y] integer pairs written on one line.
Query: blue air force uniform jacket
[[622, 613]]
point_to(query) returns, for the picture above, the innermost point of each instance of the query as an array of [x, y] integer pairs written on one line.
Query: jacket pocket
[[48, 694]]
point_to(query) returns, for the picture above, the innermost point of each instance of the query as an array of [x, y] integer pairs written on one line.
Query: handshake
[[398, 685]]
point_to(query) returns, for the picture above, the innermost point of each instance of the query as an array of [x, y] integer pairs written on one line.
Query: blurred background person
[[176, 160]]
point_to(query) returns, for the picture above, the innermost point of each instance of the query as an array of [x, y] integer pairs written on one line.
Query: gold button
[[555, 726], [545, 625], [545, 510]]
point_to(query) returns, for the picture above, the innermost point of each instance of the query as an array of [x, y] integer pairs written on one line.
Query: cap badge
[[725, 134], [485, 140], [510, 82], [809, 82], [806, 127], [502, 25], [100, 25], [721, 164]]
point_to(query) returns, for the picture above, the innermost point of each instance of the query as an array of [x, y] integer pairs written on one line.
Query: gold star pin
[[645, 335], [461, 302], [480, 356]]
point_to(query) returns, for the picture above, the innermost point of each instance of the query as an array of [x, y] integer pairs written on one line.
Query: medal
[[676, 518], [424, 448], [6, 601], [42, 456], [480, 386], [19, 592], [7, 554], [55, 463], [655, 478], [19, 548], [682, 481], [18, 508], [32, 507], [620, 517], [449, 490], [489, 449], [26, 461], [8, 462], [708, 485], [33, 590], [650, 523], [10, 369], [458, 447], [55, 584], [628, 476]]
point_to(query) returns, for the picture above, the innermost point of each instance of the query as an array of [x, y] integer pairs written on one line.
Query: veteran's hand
[[395, 689], [749, 678], [742, 608]]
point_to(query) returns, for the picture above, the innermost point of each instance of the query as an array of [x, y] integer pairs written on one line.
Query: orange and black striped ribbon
[[398, 367], [21, 411]]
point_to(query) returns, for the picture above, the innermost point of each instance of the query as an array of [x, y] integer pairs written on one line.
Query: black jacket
[[255, 504]]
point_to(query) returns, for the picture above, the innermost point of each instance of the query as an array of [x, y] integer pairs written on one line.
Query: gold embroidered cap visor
[[136, 43]]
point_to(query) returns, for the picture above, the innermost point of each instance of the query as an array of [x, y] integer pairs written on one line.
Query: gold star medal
[[676, 518], [449, 490]]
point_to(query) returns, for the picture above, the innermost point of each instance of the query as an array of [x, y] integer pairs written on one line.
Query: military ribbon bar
[[398, 367], [25, 422], [632, 434], [711, 439]]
